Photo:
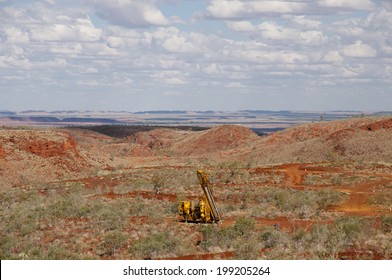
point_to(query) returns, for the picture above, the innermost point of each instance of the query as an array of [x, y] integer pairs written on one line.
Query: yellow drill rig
[[205, 211]]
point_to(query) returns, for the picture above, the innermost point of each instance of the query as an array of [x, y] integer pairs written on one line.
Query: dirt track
[[358, 193]]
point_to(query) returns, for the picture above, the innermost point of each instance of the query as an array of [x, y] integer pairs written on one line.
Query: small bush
[[248, 249], [211, 236], [113, 240], [272, 237], [386, 224], [353, 228], [60, 253], [228, 237], [112, 216], [6, 246], [244, 226], [382, 199], [158, 182], [157, 245]]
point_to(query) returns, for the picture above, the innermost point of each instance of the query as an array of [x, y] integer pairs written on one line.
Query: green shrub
[[7, 243], [244, 226], [154, 246], [386, 224], [113, 240], [382, 199], [228, 237], [158, 182], [211, 236], [69, 207], [353, 228], [303, 204], [247, 249], [60, 253], [112, 216], [272, 237]]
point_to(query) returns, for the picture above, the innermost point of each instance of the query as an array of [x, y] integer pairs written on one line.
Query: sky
[[127, 55]]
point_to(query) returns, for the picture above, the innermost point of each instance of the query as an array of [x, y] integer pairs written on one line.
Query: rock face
[[50, 148], [41, 143], [38, 155], [384, 124]]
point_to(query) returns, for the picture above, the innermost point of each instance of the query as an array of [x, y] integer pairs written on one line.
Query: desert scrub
[[114, 240], [7, 243], [327, 241], [172, 180], [246, 244], [156, 245], [274, 201], [354, 229], [111, 215], [322, 242], [272, 237], [236, 237], [276, 243], [244, 226], [383, 199], [60, 253], [386, 224], [123, 189], [277, 178], [69, 206], [231, 172], [20, 211], [315, 179], [159, 183], [304, 204], [248, 249], [261, 178]]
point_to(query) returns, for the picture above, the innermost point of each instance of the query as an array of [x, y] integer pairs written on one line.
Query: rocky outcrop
[[384, 124], [50, 148]]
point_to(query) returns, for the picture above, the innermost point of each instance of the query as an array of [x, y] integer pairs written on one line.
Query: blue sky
[[196, 55]]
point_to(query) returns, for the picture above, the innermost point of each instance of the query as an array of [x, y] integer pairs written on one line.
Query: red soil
[[144, 194], [157, 138], [384, 124], [50, 148], [356, 204], [216, 139], [2, 152]]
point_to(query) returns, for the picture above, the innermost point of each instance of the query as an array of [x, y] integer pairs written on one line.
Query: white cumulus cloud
[[130, 13], [348, 4], [141, 49], [236, 9], [359, 50]]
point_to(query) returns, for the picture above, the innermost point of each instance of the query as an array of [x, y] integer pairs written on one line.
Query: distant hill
[[7, 113]]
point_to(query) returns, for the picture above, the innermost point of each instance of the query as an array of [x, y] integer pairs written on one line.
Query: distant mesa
[[7, 113]]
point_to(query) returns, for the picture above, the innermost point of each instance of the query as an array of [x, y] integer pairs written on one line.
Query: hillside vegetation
[[314, 191]]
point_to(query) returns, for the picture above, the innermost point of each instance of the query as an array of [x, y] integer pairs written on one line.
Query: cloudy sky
[[196, 55]]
